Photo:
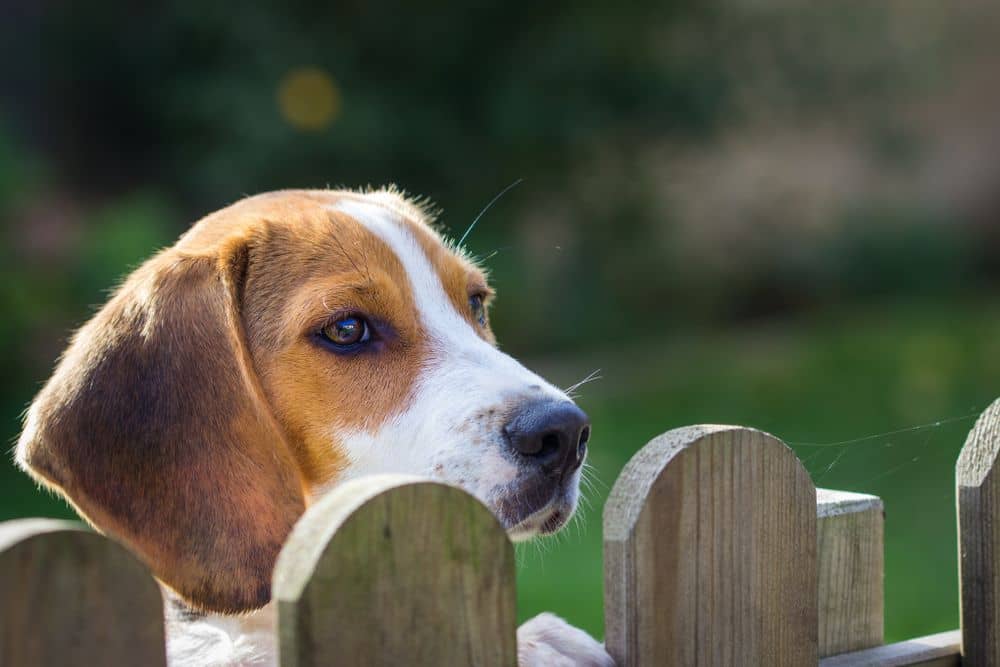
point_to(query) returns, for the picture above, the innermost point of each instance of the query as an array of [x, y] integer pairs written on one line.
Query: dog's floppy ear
[[155, 428]]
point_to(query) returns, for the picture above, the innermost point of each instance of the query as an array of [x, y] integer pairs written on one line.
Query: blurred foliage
[[776, 214], [455, 101]]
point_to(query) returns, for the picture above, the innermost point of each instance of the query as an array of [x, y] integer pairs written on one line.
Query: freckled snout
[[550, 433]]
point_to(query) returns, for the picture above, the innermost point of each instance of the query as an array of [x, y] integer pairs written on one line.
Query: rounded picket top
[[978, 490], [69, 596], [391, 570], [710, 552], [977, 460]]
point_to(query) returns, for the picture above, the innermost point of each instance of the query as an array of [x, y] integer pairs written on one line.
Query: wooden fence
[[718, 550]]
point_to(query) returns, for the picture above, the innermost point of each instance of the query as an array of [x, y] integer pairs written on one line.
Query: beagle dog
[[285, 344]]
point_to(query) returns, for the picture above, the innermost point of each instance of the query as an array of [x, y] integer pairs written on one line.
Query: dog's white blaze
[[437, 313], [438, 433]]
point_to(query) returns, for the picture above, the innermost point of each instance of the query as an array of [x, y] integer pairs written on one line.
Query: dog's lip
[[538, 504], [545, 521], [557, 518], [525, 499]]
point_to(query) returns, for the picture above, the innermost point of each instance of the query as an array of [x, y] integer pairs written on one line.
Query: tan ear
[[155, 428]]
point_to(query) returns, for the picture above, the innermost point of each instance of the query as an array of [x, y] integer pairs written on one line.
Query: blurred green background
[[767, 212]]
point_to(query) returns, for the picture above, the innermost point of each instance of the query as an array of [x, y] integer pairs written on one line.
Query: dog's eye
[[478, 308], [347, 331]]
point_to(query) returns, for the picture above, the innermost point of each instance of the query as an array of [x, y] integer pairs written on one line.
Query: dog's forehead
[[332, 225], [405, 229], [249, 216]]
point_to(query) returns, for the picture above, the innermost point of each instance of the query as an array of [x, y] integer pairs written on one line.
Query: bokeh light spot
[[308, 99]]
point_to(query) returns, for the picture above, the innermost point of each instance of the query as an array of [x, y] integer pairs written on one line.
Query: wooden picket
[[718, 551], [851, 564], [71, 597], [978, 491], [392, 570], [710, 553]]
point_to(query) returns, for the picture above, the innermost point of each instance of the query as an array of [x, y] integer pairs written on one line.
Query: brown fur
[[194, 414]]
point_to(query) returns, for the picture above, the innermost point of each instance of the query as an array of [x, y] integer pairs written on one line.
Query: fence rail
[[718, 550]]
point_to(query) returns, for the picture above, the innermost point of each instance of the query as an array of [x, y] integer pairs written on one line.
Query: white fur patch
[[549, 641], [216, 640]]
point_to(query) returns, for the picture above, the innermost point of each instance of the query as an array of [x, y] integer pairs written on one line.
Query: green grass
[[825, 379]]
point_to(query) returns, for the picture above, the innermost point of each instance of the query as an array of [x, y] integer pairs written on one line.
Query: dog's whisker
[[479, 261], [543, 549], [591, 377], [522, 553], [591, 474], [486, 208], [581, 523], [583, 509]]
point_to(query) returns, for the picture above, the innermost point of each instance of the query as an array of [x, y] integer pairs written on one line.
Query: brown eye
[[478, 309], [347, 331]]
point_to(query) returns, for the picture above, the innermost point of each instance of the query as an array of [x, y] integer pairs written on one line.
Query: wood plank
[[392, 570], [978, 491], [940, 650], [70, 597], [710, 553], [851, 570]]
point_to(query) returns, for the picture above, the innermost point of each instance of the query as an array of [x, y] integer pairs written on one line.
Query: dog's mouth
[[545, 522], [536, 508]]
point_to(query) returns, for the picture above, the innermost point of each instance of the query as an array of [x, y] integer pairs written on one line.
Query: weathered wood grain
[[978, 490], [850, 558], [69, 597], [710, 553], [940, 650], [392, 570]]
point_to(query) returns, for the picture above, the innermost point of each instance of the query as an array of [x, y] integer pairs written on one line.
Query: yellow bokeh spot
[[308, 99]]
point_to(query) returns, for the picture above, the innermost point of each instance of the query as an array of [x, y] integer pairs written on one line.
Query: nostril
[[550, 444], [581, 448]]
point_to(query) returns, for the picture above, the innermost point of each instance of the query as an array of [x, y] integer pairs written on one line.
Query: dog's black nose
[[551, 432]]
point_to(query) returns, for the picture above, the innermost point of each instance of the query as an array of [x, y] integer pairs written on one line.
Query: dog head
[[281, 346]]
